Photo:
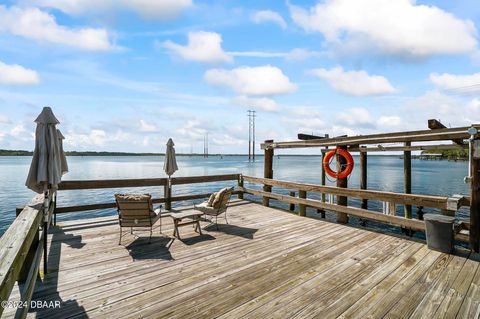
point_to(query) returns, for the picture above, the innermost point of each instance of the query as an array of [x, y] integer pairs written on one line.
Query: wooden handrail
[[359, 212], [440, 202], [143, 182], [81, 208], [15, 245], [111, 183]]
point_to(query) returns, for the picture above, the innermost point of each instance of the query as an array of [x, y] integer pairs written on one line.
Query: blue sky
[[126, 75]]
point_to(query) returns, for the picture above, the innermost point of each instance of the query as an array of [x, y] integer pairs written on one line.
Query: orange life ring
[[348, 167]]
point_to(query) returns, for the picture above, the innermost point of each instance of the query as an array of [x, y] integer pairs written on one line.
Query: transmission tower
[[251, 134]]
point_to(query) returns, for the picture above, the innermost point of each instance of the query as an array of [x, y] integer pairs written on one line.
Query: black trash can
[[439, 232]]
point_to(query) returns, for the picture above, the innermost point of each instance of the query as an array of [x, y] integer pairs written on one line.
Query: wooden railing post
[[168, 195], [240, 184], [291, 206], [407, 178], [342, 182], [323, 181], [363, 176], [302, 209], [268, 171], [475, 197]]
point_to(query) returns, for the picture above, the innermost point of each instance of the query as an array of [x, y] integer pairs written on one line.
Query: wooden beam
[[381, 148], [434, 124], [343, 183], [475, 197], [396, 137], [306, 137], [359, 212], [407, 179], [440, 202], [268, 171]]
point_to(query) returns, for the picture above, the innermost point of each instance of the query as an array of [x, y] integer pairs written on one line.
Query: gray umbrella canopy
[[46, 169], [63, 158], [170, 164]]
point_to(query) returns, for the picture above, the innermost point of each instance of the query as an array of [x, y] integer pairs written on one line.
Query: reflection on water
[[384, 173]]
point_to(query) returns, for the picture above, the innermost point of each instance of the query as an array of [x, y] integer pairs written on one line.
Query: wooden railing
[[447, 205], [131, 183], [21, 247], [24, 243], [21, 250]]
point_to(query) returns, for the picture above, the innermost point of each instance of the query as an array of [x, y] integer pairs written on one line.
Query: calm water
[[384, 173]]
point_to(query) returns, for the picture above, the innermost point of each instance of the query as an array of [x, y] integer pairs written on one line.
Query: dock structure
[[267, 262]]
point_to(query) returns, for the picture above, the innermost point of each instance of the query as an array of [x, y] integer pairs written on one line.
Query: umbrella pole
[[45, 231]]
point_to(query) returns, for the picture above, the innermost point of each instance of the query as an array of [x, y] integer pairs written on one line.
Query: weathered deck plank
[[266, 263]]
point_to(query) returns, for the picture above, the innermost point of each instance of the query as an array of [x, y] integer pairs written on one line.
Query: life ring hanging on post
[[348, 167]]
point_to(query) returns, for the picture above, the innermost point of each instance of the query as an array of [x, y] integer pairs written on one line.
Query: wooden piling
[[363, 176], [475, 197], [302, 209], [407, 178], [267, 171], [342, 182]]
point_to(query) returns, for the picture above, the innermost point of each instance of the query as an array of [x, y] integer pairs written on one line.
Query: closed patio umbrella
[[48, 165], [46, 169], [63, 158], [170, 164], [170, 167]]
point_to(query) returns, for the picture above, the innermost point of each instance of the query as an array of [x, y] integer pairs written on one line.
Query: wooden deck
[[266, 263]]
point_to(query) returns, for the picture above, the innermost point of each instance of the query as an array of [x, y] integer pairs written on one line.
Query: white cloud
[[4, 119], [388, 121], [32, 23], [357, 83], [17, 130], [268, 16], [460, 83], [356, 116], [262, 103], [202, 47], [17, 74], [299, 54], [394, 27], [158, 9], [147, 127], [96, 137], [262, 80]]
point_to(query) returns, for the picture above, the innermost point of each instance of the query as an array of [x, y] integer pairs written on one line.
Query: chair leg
[[120, 240], [150, 239], [226, 221], [131, 230], [198, 226], [216, 221], [160, 224]]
